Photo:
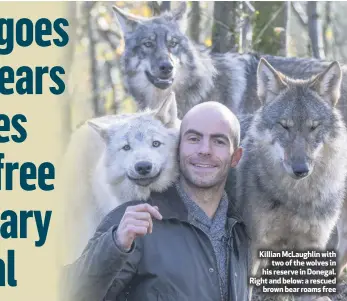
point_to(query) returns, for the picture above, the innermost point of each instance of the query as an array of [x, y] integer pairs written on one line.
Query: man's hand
[[136, 221]]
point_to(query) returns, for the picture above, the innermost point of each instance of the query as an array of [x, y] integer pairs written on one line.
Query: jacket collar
[[171, 206]]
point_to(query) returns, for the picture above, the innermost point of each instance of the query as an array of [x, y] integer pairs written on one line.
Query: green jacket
[[175, 262]]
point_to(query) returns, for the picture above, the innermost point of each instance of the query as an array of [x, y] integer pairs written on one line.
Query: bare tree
[[165, 5], [155, 7], [328, 31], [300, 13], [68, 57], [92, 56], [285, 30], [315, 30], [194, 22], [223, 29], [246, 31]]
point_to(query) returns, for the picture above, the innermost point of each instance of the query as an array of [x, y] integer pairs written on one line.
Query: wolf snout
[[165, 68], [143, 167], [300, 170]]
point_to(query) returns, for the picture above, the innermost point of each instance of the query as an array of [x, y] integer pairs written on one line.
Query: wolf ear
[[179, 15], [328, 83], [180, 11], [128, 22], [167, 111], [102, 130], [270, 82]]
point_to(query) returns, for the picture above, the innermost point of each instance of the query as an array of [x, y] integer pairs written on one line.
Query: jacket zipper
[[229, 268], [229, 250]]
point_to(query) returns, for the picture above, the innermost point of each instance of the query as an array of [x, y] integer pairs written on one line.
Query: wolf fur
[[199, 76], [290, 182], [115, 159]]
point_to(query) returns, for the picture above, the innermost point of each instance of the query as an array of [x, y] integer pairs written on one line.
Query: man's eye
[[193, 139], [126, 147], [220, 142], [148, 44]]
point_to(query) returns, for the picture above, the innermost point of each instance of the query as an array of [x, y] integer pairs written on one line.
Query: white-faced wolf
[[114, 159], [290, 182]]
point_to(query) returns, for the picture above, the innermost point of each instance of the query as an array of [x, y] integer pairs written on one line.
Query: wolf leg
[[254, 270]]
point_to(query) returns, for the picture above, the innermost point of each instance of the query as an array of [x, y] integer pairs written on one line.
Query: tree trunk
[[247, 28], [194, 22], [328, 31], [165, 6], [285, 31], [68, 58], [223, 29], [93, 59], [315, 30]]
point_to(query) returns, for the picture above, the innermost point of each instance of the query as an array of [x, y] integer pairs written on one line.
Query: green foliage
[[268, 40]]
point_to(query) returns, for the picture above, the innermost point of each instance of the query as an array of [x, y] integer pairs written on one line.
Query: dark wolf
[[159, 58], [291, 180]]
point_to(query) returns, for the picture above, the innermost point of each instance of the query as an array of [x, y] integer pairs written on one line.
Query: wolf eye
[[148, 44], [126, 147], [284, 126], [173, 44], [313, 127], [156, 143]]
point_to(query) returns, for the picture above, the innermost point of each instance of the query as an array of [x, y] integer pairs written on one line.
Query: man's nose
[[205, 147]]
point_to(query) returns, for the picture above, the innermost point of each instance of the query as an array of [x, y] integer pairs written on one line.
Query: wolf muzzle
[[300, 170], [143, 175]]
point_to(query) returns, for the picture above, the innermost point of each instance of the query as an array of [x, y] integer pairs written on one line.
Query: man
[[186, 243]]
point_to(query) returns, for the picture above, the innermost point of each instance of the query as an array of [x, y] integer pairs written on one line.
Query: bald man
[[186, 243]]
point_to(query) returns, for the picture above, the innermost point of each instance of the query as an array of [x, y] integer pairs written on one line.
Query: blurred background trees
[[95, 85]]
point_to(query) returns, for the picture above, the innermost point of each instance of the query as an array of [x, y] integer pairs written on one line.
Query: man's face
[[206, 150]]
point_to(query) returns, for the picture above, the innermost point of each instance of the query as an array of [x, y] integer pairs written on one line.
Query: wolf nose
[[300, 170], [143, 168], [165, 68]]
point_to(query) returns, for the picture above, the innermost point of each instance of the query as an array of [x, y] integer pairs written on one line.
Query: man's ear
[[236, 157]]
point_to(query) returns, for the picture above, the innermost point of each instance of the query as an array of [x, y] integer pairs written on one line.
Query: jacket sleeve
[[101, 266]]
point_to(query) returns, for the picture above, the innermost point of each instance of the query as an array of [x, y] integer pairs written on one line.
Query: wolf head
[[157, 57], [298, 117], [141, 148]]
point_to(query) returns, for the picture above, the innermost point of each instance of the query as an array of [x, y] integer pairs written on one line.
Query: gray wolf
[[290, 182], [160, 58], [115, 159]]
